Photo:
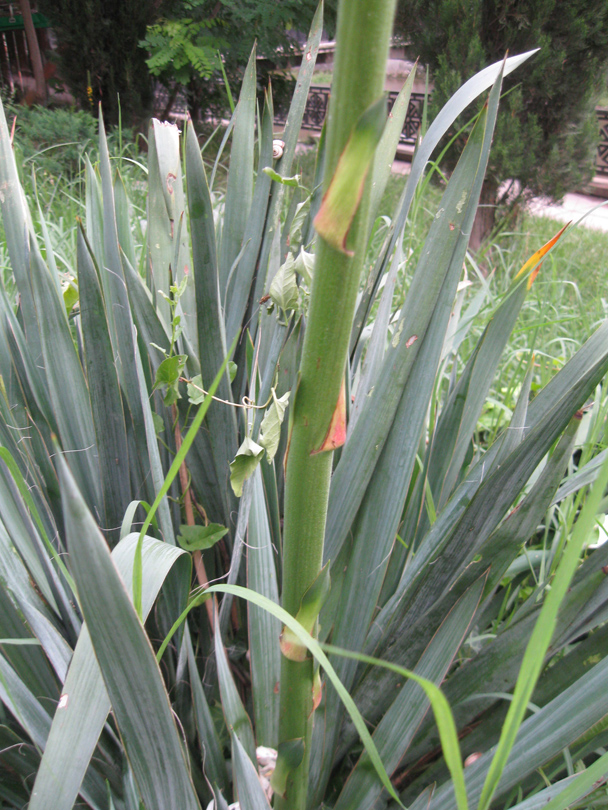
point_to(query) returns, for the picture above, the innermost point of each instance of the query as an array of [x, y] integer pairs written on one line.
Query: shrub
[[132, 455]]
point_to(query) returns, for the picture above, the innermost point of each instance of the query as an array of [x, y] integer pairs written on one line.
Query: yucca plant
[[248, 523]]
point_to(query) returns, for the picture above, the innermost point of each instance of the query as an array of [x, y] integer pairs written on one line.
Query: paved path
[[572, 207]]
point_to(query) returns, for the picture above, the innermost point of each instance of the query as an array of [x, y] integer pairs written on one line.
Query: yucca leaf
[[397, 729], [247, 785], [123, 219], [385, 153], [240, 286], [28, 662], [264, 630], [106, 400], [452, 440], [169, 247], [444, 120], [77, 724], [118, 312], [570, 387], [125, 657], [211, 336], [435, 280], [290, 137], [239, 190], [159, 244], [214, 765], [18, 229], [237, 719]]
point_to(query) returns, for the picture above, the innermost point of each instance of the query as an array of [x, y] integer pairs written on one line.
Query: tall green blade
[[211, 337], [79, 719], [239, 191], [264, 630], [106, 400], [239, 288], [237, 718], [126, 658], [395, 732], [247, 785]]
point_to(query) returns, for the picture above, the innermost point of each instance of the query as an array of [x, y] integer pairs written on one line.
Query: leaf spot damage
[[397, 336], [171, 178], [336, 433]]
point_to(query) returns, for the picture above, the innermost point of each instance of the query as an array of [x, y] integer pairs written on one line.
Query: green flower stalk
[[354, 127]]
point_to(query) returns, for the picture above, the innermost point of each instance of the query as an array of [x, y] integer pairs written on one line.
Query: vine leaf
[[247, 458], [270, 429]]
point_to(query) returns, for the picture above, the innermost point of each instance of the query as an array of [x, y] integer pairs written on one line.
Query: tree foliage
[[546, 134], [183, 43], [99, 54]]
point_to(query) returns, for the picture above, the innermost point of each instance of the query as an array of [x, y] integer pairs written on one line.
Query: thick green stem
[[364, 28]]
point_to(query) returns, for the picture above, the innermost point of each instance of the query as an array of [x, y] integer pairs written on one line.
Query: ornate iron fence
[[602, 147], [318, 100]]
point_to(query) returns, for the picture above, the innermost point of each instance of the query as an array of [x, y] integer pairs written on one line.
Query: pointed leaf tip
[[535, 259]]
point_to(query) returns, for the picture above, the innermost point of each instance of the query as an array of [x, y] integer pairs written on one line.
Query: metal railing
[[318, 100], [601, 163]]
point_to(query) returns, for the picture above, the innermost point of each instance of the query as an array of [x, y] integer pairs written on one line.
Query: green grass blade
[[448, 733], [541, 738], [398, 727], [314, 647], [541, 637], [569, 791], [156, 468]]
